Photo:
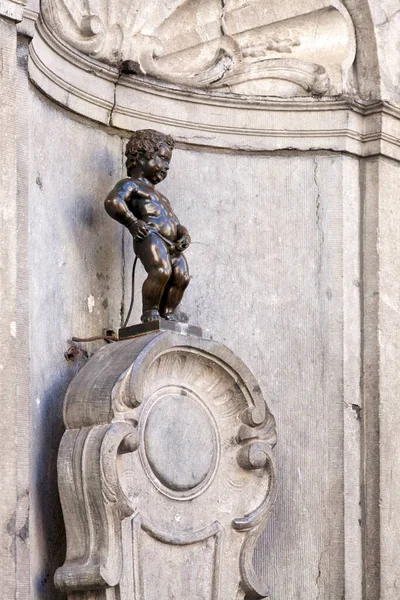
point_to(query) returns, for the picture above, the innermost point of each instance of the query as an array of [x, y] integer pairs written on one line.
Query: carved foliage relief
[[259, 47], [168, 499]]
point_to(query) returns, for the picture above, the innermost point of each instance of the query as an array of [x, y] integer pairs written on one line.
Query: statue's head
[[151, 151]]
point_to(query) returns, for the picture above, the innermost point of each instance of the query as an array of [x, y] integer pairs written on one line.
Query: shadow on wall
[[48, 517]]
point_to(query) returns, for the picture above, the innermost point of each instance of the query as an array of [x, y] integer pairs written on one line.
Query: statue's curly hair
[[143, 144]]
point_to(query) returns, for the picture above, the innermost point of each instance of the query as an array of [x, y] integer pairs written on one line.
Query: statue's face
[[156, 169]]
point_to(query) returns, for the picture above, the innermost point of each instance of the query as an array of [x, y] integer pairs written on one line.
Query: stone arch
[[367, 62]]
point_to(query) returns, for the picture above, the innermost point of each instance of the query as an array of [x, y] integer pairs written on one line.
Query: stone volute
[[165, 472]]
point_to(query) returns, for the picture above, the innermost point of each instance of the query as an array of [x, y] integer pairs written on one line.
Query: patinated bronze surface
[[158, 237]]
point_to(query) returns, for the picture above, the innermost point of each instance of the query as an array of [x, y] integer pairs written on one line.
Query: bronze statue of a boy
[[158, 237]]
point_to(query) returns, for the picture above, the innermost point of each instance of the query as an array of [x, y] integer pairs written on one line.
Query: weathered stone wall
[[269, 279], [76, 278], [14, 376], [294, 266], [273, 230]]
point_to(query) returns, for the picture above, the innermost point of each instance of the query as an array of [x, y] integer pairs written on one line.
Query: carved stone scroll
[[254, 47], [165, 471]]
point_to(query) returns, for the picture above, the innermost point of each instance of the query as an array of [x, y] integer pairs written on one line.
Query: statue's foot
[[150, 315], [170, 317]]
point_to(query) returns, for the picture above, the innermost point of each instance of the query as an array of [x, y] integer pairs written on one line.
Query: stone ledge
[[12, 9], [27, 25], [210, 120]]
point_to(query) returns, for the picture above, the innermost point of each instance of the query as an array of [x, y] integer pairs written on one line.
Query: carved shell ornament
[[259, 47]]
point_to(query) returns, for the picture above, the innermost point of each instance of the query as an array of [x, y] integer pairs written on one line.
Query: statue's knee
[[161, 274], [184, 279]]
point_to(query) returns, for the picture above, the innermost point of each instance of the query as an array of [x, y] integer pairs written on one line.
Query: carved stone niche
[[165, 473]]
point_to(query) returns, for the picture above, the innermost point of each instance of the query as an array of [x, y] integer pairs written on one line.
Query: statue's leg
[[175, 287], [153, 253]]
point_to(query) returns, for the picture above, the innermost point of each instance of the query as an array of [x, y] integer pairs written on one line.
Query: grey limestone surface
[[381, 378], [76, 266], [389, 357], [275, 276], [8, 292], [267, 268]]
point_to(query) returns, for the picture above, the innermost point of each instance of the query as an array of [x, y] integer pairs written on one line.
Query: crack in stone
[[120, 73], [386, 18], [319, 260], [318, 220], [318, 578], [222, 17]]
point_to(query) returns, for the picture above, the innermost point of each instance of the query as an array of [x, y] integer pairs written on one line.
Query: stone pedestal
[[165, 472]]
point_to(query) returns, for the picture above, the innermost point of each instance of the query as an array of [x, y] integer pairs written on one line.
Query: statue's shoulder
[[128, 184]]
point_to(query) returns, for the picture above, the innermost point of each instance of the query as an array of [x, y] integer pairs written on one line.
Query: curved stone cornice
[[209, 119]]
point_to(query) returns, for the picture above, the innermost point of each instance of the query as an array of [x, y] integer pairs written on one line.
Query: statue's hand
[[139, 230], [183, 243]]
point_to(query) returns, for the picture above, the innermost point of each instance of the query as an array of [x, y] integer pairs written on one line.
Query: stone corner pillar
[[14, 425], [165, 472]]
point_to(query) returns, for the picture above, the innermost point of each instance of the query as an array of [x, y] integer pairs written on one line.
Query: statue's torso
[[154, 209]]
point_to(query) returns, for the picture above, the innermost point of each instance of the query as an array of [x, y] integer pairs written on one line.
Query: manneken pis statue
[[158, 237]]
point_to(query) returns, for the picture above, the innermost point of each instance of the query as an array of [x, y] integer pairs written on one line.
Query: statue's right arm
[[116, 203]]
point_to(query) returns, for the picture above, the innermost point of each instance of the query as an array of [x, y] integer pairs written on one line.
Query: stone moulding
[[166, 460], [230, 122], [12, 9], [30, 15]]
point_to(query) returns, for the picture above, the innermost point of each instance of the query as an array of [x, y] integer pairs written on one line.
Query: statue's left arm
[[117, 207]]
